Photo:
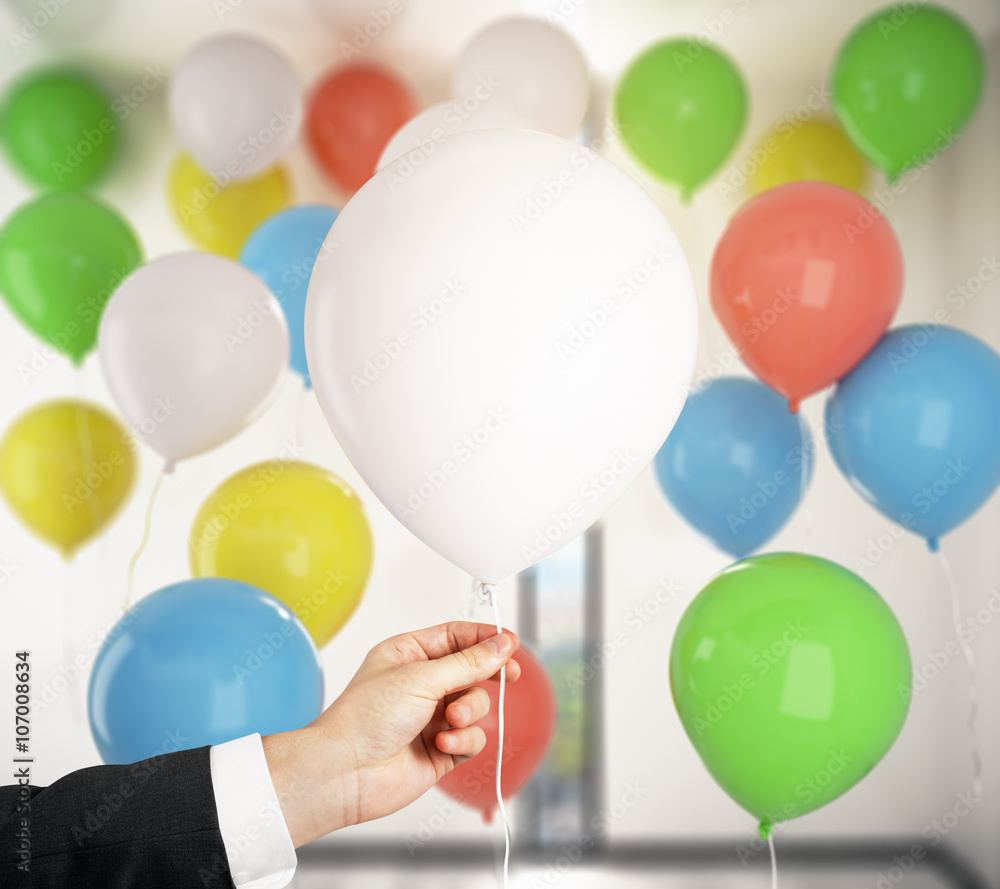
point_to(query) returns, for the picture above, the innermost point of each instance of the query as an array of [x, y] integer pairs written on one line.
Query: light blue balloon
[[733, 464], [915, 427], [201, 662], [282, 253]]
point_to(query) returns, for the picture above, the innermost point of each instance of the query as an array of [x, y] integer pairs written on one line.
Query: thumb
[[460, 669]]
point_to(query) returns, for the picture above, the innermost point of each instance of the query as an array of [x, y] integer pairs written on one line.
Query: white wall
[[946, 220]]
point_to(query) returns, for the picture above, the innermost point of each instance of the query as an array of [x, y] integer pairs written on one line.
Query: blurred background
[[621, 770]]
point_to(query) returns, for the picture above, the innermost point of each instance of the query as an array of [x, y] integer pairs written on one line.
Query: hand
[[406, 719]]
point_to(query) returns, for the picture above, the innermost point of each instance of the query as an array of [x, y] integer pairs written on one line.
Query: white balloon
[[193, 347], [435, 124], [501, 342], [235, 105], [528, 68]]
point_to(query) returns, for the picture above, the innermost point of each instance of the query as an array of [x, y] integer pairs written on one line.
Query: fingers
[[468, 708], [466, 667], [466, 741], [512, 671], [457, 635]]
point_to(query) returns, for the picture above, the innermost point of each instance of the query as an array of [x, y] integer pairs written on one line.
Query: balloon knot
[[169, 467], [485, 592], [765, 829], [933, 545], [793, 405]]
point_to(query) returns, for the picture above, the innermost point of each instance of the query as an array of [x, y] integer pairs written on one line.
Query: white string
[[147, 528], [807, 467], [970, 660], [488, 592], [774, 862]]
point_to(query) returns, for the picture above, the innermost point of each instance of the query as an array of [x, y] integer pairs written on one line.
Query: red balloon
[[805, 281], [352, 114], [529, 724]]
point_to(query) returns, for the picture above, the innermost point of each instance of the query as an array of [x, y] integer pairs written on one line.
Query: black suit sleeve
[[149, 825]]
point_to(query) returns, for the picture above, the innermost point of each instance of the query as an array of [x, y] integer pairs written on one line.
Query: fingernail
[[500, 644]]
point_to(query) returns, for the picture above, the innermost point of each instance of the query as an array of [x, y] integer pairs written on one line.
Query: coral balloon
[[792, 679], [917, 424], [736, 463], [66, 469], [296, 531], [526, 67], [236, 105], [681, 107], [58, 129], [201, 662], [905, 82], [814, 150], [61, 258], [805, 279], [221, 217], [352, 114], [529, 724]]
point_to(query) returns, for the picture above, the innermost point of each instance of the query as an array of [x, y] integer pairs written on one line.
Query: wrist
[[310, 782]]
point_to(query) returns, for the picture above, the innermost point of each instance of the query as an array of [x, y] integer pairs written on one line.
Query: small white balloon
[[236, 105], [435, 124], [501, 340], [528, 68], [193, 347]]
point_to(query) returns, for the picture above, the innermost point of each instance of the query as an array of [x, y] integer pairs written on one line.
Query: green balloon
[[905, 82], [792, 679], [61, 257], [680, 107], [58, 129]]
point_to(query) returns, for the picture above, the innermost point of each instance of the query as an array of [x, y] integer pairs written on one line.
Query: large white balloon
[[435, 124], [501, 341], [193, 346], [235, 105], [529, 68]]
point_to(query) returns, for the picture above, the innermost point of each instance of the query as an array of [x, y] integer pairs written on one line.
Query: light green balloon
[[792, 679], [680, 107], [905, 83]]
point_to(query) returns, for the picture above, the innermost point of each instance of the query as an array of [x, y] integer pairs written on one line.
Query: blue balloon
[[282, 253], [915, 427], [733, 464], [201, 662]]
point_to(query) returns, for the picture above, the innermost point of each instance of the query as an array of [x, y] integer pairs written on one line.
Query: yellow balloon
[[815, 150], [220, 218], [66, 469], [292, 529]]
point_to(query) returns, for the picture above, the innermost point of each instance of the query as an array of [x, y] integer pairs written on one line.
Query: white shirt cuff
[[258, 845]]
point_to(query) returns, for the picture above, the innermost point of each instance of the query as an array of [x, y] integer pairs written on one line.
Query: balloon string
[[145, 538], [970, 660], [488, 592], [774, 862], [807, 514]]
